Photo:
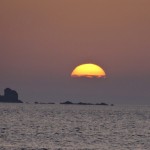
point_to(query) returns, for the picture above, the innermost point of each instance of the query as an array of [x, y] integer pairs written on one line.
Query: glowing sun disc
[[88, 71]]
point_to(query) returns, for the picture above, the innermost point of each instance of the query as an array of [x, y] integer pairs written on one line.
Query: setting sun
[[88, 71]]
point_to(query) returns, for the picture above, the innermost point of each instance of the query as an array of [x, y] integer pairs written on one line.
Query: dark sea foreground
[[74, 127]]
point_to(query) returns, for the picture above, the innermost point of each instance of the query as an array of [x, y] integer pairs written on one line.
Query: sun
[[89, 71]]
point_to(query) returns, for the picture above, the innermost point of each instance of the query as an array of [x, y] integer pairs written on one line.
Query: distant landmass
[[81, 103], [10, 96]]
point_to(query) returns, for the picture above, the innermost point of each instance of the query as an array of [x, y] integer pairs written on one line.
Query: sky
[[42, 41]]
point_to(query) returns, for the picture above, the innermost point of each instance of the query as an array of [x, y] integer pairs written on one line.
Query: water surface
[[73, 127]]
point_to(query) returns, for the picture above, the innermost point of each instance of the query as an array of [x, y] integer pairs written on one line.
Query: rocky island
[[10, 96]]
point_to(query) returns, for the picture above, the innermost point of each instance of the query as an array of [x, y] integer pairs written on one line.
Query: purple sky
[[42, 41]]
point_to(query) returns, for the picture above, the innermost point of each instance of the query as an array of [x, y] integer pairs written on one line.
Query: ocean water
[[73, 127]]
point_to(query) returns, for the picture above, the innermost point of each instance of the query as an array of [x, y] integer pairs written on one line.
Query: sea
[[74, 127]]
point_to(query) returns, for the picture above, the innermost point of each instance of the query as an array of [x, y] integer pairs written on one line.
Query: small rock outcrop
[[104, 104], [67, 102], [10, 96], [81, 103]]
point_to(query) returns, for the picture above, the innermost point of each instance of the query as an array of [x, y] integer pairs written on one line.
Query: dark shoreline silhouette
[[81, 103], [10, 96]]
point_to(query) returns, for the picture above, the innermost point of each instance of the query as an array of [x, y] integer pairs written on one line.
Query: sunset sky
[[42, 41]]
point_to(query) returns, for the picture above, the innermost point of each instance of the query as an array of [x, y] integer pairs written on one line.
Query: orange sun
[[88, 71]]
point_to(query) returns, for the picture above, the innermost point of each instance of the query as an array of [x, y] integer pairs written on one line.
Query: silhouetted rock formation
[[104, 104], [10, 96], [81, 103], [67, 102]]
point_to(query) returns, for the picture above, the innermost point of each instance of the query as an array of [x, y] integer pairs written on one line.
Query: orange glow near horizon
[[88, 71]]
